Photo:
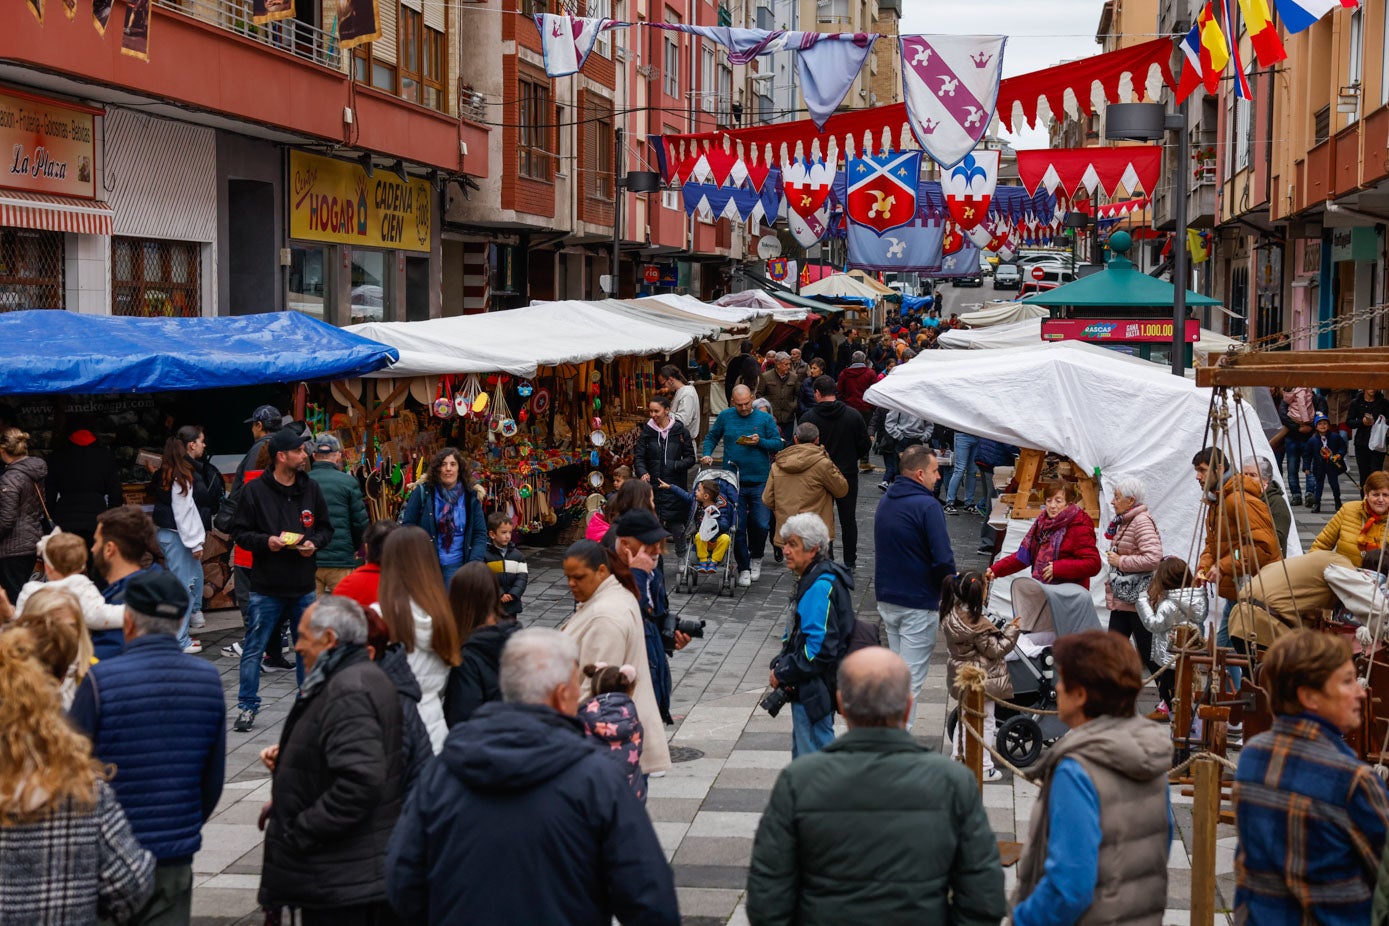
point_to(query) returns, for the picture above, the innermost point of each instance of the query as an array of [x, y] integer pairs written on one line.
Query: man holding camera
[[817, 634]]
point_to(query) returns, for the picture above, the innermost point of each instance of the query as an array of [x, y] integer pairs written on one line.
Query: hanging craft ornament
[[540, 402], [443, 401], [595, 479], [463, 400], [508, 427], [525, 388], [526, 491]]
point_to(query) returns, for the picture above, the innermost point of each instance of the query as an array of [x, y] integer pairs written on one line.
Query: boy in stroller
[[714, 534]]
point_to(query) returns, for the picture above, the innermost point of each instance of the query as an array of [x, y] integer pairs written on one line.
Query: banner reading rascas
[[336, 201]]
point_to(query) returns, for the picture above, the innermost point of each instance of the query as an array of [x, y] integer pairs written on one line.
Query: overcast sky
[[1040, 33]]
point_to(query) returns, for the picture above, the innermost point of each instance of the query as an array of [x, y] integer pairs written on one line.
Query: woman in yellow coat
[[1359, 527]]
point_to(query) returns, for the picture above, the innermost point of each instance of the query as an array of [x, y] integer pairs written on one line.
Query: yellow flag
[[1197, 246]]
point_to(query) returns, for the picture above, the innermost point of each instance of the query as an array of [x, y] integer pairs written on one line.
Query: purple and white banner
[[567, 40], [950, 85]]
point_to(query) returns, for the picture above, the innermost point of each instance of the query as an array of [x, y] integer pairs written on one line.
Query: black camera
[[775, 700], [690, 628]]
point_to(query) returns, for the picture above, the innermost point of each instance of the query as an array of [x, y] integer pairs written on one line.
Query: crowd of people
[[440, 761]]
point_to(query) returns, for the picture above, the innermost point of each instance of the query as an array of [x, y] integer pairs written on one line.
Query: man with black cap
[[640, 538], [264, 421], [347, 509], [282, 520], [157, 716]]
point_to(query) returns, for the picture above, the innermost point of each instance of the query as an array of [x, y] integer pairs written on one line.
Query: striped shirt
[[1312, 820]]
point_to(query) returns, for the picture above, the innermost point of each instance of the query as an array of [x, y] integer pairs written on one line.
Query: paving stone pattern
[[705, 810]]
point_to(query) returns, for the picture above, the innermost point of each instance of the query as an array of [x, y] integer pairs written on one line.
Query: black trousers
[[848, 526], [1127, 624], [376, 914], [14, 572]]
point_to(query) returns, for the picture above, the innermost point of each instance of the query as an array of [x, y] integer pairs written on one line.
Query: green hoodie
[[348, 512]]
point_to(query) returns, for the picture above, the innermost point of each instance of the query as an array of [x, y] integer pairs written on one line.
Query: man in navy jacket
[[156, 714], [913, 558]]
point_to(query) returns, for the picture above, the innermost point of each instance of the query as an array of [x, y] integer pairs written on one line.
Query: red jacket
[[853, 383], [1077, 561], [361, 585]]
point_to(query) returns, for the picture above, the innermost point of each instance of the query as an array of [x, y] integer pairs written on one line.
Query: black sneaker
[[244, 721], [952, 508], [777, 554], [1296, 501], [275, 661]]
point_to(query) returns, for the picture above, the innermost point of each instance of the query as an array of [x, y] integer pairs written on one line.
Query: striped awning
[[54, 213]]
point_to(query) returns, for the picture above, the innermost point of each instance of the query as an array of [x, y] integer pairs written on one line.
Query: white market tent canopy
[[1029, 332], [1124, 416], [1003, 313], [762, 303], [718, 313], [519, 341], [841, 284]]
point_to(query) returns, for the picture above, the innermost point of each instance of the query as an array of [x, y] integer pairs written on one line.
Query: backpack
[[862, 636]]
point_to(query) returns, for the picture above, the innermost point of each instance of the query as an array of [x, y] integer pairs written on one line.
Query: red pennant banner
[[1074, 169]]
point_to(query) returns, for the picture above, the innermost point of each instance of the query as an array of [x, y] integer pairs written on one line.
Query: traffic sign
[[1038, 273]]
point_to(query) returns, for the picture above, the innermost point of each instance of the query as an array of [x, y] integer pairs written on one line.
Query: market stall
[[1209, 344], [545, 400], [1110, 414], [1003, 313]]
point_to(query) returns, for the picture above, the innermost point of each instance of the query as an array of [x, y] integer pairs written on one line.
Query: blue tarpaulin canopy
[[51, 352]]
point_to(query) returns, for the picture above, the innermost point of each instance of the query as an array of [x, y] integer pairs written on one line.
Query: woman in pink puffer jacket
[[1135, 546]]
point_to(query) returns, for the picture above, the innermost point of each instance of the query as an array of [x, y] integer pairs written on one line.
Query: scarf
[[324, 665], [1048, 533], [452, 515], [1367, 541]]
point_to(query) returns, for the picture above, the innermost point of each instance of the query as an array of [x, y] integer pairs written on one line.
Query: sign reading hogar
[[335, 201]]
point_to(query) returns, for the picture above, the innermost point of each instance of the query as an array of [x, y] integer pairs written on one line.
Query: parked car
[[1032, 288], [974, 279], [1006, 276]]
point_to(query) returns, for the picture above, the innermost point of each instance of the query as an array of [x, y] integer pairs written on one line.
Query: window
[[598, 182], [1321, 125], [1242, 132], [370, 286], [372, 71], [411, 25], [832, 11], [155, 279], [1356, 69], [765, 19], [434, 61], [602, 9], [708, 74], [536, 160], [725, 106], [31, 269], [765, 109], [308, 275], [671, 64]]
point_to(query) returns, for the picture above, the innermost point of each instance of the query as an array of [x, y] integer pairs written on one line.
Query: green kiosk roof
[[1119, 285]]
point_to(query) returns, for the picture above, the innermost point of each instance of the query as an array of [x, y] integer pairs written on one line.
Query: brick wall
[[523, 194]]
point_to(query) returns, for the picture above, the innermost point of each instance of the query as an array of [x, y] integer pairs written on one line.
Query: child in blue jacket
[[714, 532], [1327, 450]]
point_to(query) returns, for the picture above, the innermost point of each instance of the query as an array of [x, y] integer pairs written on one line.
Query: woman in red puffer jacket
[[1060, 545]]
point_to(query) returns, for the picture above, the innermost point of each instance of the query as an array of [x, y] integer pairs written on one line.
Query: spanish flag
[[1206, 55], [1263, 34]]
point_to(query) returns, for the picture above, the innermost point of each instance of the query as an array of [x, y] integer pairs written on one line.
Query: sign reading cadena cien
[[332, 200], [46, 147]]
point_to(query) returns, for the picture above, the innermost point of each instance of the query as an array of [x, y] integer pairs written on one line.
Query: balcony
[[290, 35]]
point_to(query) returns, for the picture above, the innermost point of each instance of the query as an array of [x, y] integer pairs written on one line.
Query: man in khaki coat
[[804, 478], [780, 386]]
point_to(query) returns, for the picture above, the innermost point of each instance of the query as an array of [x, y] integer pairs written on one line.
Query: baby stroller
[[1045, 612], [722, 581]]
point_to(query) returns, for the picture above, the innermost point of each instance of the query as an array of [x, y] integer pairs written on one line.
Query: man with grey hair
[[157, 715], [804, 478], [337, 777], [1278, 507], [930, 855], [780, 386], [523, 819], [818, 625]]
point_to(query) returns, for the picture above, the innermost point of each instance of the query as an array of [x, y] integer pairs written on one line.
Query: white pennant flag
[[950, 85]]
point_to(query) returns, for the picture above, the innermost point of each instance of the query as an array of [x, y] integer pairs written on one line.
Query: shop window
[[370, 286], [31, 269], [535, 158], [155, 279], [308, 281]]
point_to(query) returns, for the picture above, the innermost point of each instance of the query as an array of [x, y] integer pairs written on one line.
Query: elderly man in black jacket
[[337, 778], [522, 819]]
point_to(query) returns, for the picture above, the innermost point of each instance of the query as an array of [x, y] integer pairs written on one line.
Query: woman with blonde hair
[[415, 607], [54, 616], [67, 854]]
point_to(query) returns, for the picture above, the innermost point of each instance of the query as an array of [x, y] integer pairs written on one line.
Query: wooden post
[[1181, 711], [1205, 814], [972, 714]]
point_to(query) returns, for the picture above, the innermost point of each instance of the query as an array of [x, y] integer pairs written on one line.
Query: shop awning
[[518, 341], [52, 352], [54, 213]]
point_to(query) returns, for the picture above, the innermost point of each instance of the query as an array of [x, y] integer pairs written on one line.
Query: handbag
[[45, 520], [1379, 435], [1128, 586]]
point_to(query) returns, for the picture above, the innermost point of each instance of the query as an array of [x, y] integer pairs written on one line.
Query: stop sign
[[1038, 273], [652, 274]]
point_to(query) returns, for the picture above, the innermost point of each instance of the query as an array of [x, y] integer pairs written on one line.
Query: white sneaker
[[193, 648], [198, 621], [992, 774], [756, 571], [234, 651], [744, 579]]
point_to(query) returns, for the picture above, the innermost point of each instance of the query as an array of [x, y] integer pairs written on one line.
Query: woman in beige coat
[[607, 627]]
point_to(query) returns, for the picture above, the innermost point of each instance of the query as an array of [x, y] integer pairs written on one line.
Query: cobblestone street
[[707, 808]]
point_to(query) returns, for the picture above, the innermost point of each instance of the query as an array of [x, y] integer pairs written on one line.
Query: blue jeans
[[1296, 451], [659, 664], [265, 613], [963, 468], [807, 737], [890, 467], [448, 572], [911, 634], [754, 520], [1222, 638], [179, 560]]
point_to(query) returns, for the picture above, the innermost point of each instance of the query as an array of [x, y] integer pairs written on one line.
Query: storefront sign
[[46, 147], [1113, 330], [669, 274], [332, 200], [1353, 244], [652, 274]]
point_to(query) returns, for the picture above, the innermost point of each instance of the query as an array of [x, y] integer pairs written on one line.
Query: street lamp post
[[638, 181], [1150, 122]]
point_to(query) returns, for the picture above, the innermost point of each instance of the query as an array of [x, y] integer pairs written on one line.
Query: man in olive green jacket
[[345, 506], [876, 828]]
